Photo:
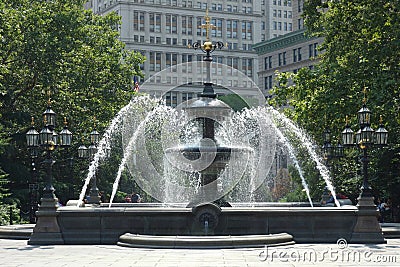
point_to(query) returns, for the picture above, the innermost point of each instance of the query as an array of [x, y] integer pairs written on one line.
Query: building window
[[138, 21], [171, 59], [199, 29], [217, 32], [268, 62], [300, 23], [155, 61], [171, 23], [268, 82], [233, 63], [231, 28], [247, 66], [247, 30], [312, 50], [282, 59], [187, 58], [187, 25]]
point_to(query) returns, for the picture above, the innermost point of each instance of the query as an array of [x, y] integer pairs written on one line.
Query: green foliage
[[58, 46], [360, 49], [9, 210]]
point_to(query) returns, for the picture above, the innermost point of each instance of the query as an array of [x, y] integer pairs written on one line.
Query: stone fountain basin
[[103, 225]]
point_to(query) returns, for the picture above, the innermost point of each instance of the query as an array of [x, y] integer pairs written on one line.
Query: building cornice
[[281, 42]]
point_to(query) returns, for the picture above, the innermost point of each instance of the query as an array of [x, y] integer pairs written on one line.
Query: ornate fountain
[[208, 220]]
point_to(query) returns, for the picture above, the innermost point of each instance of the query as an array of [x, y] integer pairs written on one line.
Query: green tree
[[360, 50], [58, 47]]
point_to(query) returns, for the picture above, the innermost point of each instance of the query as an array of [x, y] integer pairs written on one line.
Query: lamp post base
[[367, 228], [94, 196], [47, 230]]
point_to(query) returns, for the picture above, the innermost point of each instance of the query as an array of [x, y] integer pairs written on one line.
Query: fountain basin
[[99, 225]]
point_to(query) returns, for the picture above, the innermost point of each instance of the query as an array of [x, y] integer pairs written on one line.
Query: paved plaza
[[18, 253]]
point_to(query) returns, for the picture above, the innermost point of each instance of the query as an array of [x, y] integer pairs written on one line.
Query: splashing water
[[129, 149], [308, 144], [105, 143], [292, 155], [103, 147], [250, 128]]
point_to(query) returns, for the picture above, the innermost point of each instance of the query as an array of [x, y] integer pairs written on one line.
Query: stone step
[[200, 242], [391, 230], [18, 231]]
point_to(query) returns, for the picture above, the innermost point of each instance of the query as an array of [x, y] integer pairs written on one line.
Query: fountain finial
[[208, 26], [207, 47]]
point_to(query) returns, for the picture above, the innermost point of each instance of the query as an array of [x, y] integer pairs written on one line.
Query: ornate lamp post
[[32, 139], [89, 152], [330, 152], [367, 228], [48, 140], [365, 138]]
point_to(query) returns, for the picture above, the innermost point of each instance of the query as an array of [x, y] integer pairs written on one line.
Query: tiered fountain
[[206, 214]]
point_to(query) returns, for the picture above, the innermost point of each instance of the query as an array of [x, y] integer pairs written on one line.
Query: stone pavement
[[18, 253]]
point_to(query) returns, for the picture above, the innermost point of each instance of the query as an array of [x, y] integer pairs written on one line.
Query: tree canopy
[[360, 50], [59, 47]]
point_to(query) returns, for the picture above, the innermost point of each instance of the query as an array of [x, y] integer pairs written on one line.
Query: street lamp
[[89, 152], [366, 227], [329, 150], [365, 138], [32, 139], [47, 139]]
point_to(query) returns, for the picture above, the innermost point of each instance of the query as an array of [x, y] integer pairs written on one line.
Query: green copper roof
[[280, 42]]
